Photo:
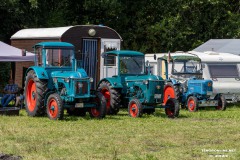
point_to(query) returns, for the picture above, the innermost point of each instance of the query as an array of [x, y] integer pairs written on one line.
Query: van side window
[[223, 71]]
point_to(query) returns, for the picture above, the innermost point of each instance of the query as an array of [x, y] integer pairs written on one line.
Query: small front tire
[[100, 111], [135, 108], [172, 109], [221, 103], [55, 107], [192, 104]]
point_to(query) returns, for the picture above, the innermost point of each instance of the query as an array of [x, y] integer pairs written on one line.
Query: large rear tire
[[171, 91], [34, 92], [192, 104], [173, 108], [100, 111], [55, 107], [112, 97]]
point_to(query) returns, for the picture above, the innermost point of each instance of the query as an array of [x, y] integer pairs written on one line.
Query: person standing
[[10, 91]]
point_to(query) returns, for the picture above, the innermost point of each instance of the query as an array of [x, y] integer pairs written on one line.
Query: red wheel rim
[[219, 107], [95, 112], [53, 108], [31, 95], [168, 93], [169, 112], [133, 110], [107, 96], [191, 105]]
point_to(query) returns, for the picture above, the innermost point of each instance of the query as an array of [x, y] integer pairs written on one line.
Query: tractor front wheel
[[34, 92], [192, 104], [135, 108], [221, 103], [100, 111], [55, 107], [112, 97], [172, 108]]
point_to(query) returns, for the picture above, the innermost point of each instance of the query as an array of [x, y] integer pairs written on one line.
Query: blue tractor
[[183, 72], [130, 85], [56, 83]]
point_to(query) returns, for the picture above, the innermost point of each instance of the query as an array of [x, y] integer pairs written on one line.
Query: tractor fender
[[113, 81], [40, 72]]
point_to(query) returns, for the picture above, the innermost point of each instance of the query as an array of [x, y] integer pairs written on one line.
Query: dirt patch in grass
[[9, 157]]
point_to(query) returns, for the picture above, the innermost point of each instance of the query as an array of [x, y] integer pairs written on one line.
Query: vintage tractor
[[129, 84], [185, 82], [56, 83]]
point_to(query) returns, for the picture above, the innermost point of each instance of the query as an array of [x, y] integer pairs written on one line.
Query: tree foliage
[[147, 26]]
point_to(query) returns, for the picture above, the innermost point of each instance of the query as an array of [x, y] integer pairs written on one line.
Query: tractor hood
[[70, 74], [143, 78]]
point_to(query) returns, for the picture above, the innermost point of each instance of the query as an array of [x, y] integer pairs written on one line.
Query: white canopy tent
[[12, 54]]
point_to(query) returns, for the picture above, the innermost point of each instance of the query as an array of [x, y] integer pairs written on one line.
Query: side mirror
[[104, 55]]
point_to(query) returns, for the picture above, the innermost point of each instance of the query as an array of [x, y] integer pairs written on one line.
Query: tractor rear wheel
[[55, 107], [135, 108], [100, 111], [192, 104], [172, 108], [34, 92], [221, 103], [171, 91], [112, 97]]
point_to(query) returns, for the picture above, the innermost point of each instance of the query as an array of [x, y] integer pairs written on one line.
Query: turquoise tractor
[[129, 83], [183, 72], [56, 83]]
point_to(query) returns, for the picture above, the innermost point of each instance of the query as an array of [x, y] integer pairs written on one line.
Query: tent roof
[[12, 54], [41, 33], [220, 45]]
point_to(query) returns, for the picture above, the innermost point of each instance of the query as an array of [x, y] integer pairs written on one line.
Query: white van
[[222, 68]]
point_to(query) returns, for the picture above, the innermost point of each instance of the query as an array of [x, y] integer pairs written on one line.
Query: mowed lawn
[[206, 134]]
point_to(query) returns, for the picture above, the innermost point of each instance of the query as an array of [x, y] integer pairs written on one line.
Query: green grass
[[197, 135]]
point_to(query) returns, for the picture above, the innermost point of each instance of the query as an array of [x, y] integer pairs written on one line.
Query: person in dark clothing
[[10, 91]]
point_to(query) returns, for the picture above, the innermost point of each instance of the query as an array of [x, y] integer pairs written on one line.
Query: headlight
[[145, 82], [209, 84], [91, 80]]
